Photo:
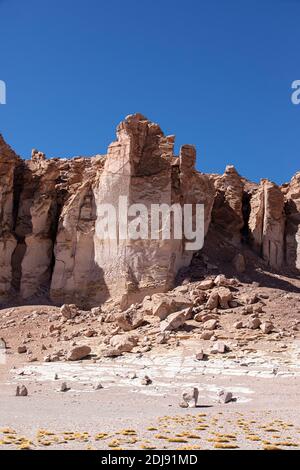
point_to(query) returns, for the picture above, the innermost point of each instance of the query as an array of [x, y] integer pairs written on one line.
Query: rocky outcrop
[[52, 240], [8, 167], [267, 223], [292, 232], [227, 215], [55, 214], [274, 226]]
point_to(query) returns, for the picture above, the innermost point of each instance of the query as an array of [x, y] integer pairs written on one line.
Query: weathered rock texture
[[51, 242], [267, 223]]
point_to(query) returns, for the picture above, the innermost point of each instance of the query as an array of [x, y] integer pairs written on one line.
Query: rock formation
[[267, 223], [51, 219]]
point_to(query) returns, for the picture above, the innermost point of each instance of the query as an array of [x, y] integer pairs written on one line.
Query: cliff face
[[51, 241]]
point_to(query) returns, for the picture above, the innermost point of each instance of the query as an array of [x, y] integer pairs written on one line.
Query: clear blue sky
[[216, 73]]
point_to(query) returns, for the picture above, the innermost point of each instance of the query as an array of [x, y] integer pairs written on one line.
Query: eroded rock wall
[[9, 163], [51, 218], [267, 223]]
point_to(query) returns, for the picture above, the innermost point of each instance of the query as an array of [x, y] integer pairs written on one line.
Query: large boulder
[[79, 352], [175, 320], [130, 319], [123, 343], [164, 304]]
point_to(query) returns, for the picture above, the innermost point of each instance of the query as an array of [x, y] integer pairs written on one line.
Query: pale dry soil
[[125, 414], [262, 372]]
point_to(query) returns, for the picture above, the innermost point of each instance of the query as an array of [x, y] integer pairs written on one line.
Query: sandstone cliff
[[50, 222]]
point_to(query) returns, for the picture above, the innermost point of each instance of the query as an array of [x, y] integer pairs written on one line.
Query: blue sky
[[216, 73]]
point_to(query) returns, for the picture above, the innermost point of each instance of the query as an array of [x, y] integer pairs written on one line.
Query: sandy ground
[[128, 415], [262, 372]]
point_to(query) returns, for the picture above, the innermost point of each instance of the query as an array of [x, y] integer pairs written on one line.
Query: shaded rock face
[[51, 219], [227, 214], [8, 165], [292, 232]]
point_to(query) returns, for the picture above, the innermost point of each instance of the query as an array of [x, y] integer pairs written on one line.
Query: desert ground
[[133, 400]]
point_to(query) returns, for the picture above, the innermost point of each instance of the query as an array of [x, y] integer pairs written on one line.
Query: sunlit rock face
[[52, 218]]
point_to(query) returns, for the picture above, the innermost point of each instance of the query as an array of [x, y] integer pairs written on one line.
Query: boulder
[[225, 397], [123, 343], [111, 352], [21, 391], [130, 319], [225, 296], [69, 311], [78, 353], [210, 325], [64, 387], [267, 327], [163, 305], [219, 297], [222, 281], [190, 398], [219, 348], [254, 323], [175, 320], [146, 380], [213, 300], [206, 284], [201, 356], [206, 335]]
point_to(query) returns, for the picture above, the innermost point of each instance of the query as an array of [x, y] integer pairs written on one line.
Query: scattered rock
[[219, 348], [21, 391], [225, 397], [204, 317], [249, 299], [90, 333], [96, 311], [206, 335], [132, 375], [222, 281], [64, 387], [225, 296], [190, 398], [175, 320], [201, 356], [123, 343], [78, 353], [111, 352], [206, 285], [131, 319], [146, 380], [163, 304], [247, 310], [254, 323], [69, 311], [267, 327], [22, 349], [219, 297], [163, 338], [213, 300], [210, 325], [99, 386]]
